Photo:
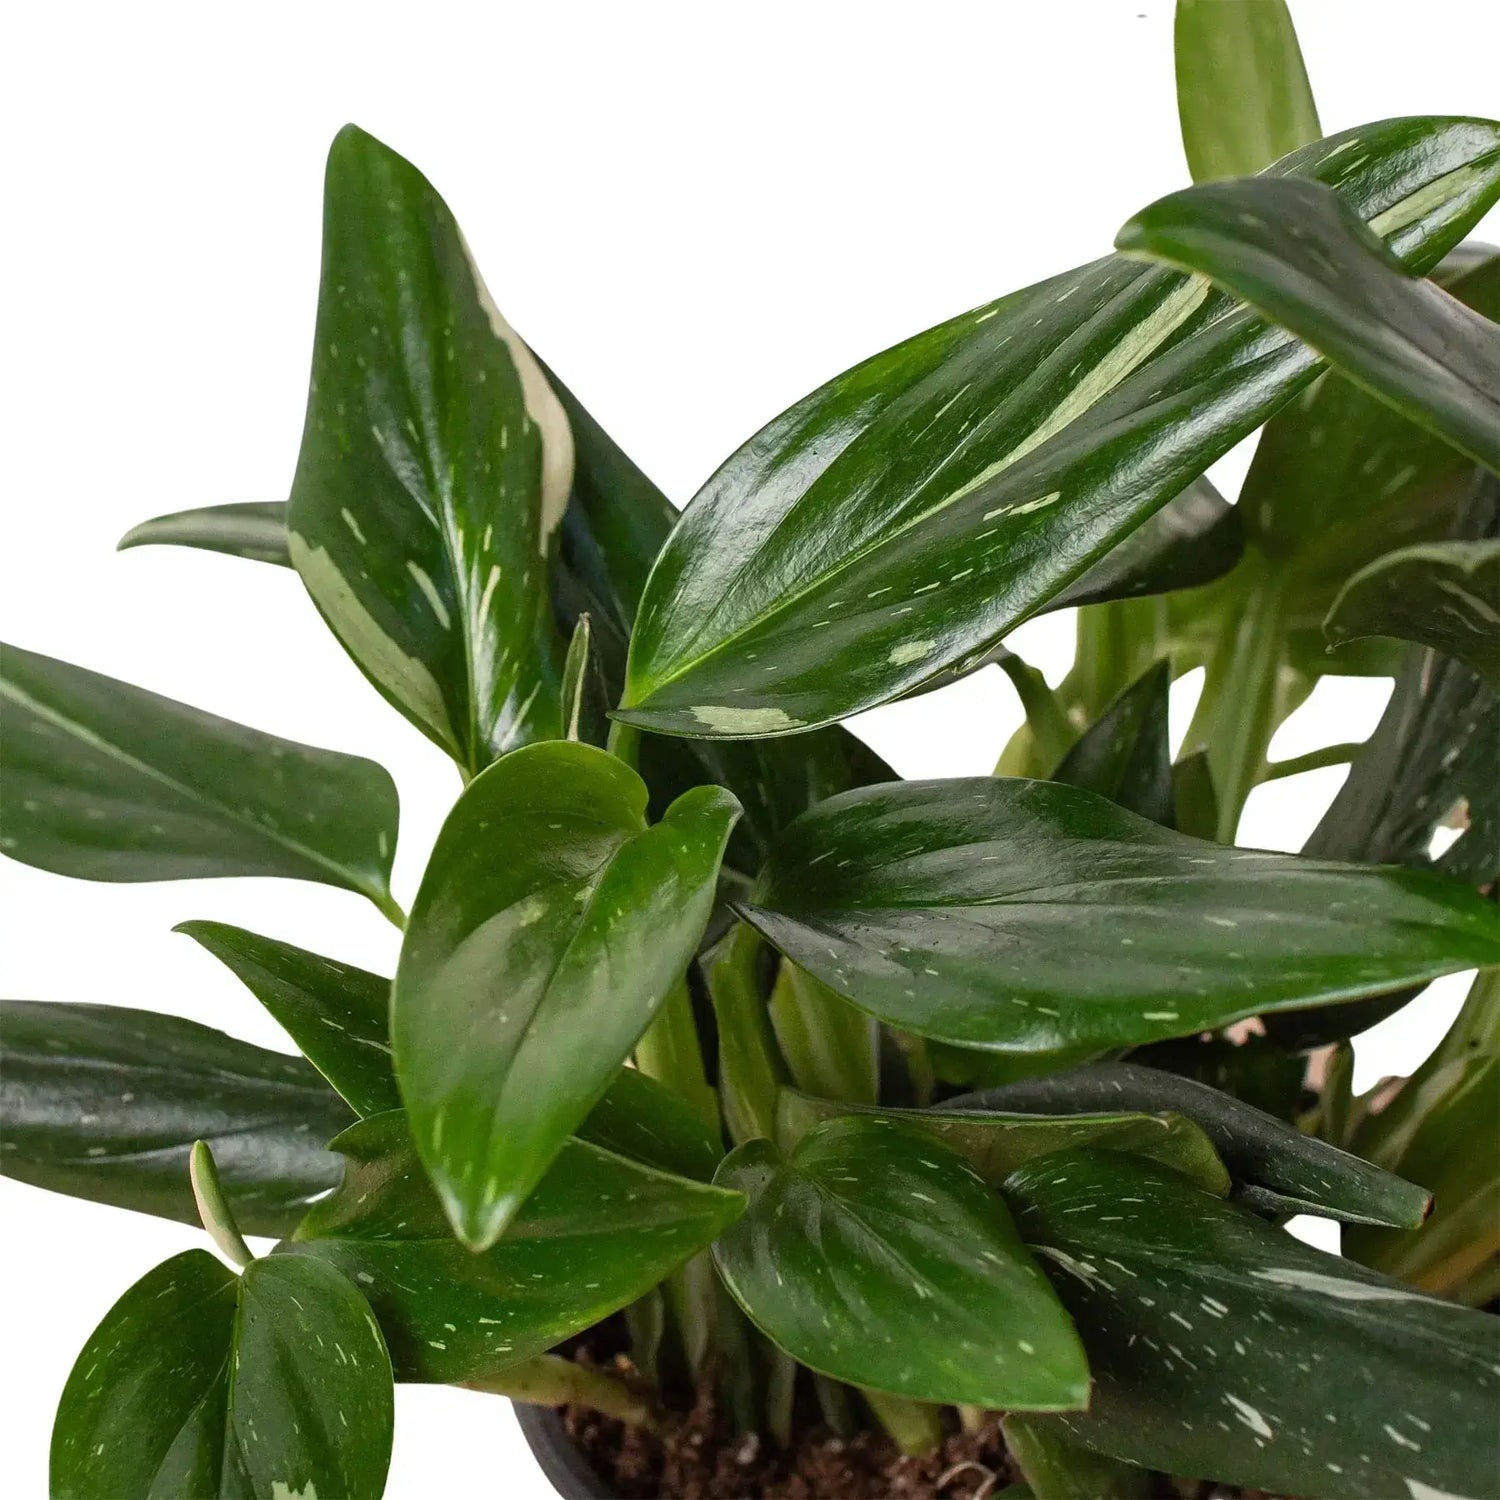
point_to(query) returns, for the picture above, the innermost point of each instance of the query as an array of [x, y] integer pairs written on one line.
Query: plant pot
[[567, 1470]]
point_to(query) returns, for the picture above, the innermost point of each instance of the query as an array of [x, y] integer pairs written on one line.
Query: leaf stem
[[213, 1207], [624, 742], [1050, 729], [387, 905], [914, 1426], [550, 1380], [1313, 760]]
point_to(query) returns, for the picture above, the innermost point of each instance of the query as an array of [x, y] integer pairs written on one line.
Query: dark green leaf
[[1056, 1469], [256, 530], [435, 465], [597, 1232], [1223, 1348], [1274, 1164], [1243, 99], [874, 1255], [1195, 804], [103, 1102], [642, 1119], [1126, 754], [1297, 252], [106, 781], [1444, 594], [270, 1385], [900, 520], [525, 980], [1027, 916], [996, 1141], [831, 1047]]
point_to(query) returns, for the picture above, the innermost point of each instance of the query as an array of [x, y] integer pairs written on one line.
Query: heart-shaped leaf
[[1027, 916], [435, 466], [1276, 1166], [259, 1387], [597, 1232], [898, 521], [106, 781], [1126, 754], [1297, 252], [1223, 1348], [254, 530], [876, 1256], [1445, 595], [1242, 93], [103, 1102], [996, 1141], [525, 979]]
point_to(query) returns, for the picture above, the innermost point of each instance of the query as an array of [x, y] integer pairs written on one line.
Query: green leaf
[[995, 1141], [106, 781], [831, 1047], [1243, 99], [1195, 803], [750, 1070], [1445, 595], [1126, 754], [598, 1232], [270, 1385], [525, 980], [213, 1207], [1025, 916], [336, 1013], [642, 1119], [1223, 1348], [1275, 1165], [435, 466], [897, 522], [1059, 1470], [575, 678], [103, 1102], [1295, 251], [256, 530], [874, 1255]]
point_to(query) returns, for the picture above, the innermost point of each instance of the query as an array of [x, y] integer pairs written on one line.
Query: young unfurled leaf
[[200, 1383], [1445, 595], [597, 1232], [435, 466], [103, 1102], [876, 1256], [1276, 1166], [750, 1071], [1126, 754], [1297, 252], [550, 925], [255, 530], [1026, 916], [1243, 99], [901, 519], [574, 678], [1220, 1346], [106, 781]]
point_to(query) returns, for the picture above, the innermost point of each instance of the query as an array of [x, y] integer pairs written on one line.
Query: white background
[[695, 213]]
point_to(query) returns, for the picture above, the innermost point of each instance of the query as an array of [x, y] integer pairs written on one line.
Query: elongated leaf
[[1242, 93], [598, 1232], [525, 980], [1445, 595], [900, 520], [1223, 1348], [640, 1118], [199, 1383], [337, 1014], [1126, 754], [1027, 916], [106, 781], [1294, 250], [876, 1256], [255, 530], [1275, 1165], [995, 1142], [435, 466], [750, 1069], [103, 1102]]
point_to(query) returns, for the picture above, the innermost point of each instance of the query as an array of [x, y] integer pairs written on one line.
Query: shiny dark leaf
[[1126, 754]]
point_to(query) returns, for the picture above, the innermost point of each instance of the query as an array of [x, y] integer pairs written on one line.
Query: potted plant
[[759, 1121]]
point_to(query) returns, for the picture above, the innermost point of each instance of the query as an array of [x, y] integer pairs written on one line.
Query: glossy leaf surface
[[1276, 1166], [598, 1232], [1243, 99], [103, 1102], [1295, 250], [875, 1256], [1026, 916], [106, 781], [525, 980], [1126, 755], [1445, 595], [254, 530], [435, 465], [897, 522], [199, 1383], [1223, 1348], [995, 1142]]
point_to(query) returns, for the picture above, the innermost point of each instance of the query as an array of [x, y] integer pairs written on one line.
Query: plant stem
[[750, 1063], [669, 1052], [387, 905], [1313, 760], [549, 1380], [1051, 733], [914, 1426], [624, 742]]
